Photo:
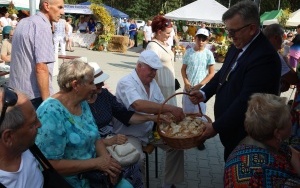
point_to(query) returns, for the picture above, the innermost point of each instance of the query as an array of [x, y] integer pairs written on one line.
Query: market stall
[[270, 17], [84, 8], [209, 11], [83, 39], [19, 4], [192, 16]]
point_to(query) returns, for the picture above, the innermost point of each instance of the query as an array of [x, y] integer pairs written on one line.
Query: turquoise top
[[66, 136]]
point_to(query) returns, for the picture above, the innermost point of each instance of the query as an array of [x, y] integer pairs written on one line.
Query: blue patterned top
[[66, 136]]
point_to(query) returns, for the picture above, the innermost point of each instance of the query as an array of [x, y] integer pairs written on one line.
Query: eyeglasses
[[201, 38], [232, 32], [10, 98]]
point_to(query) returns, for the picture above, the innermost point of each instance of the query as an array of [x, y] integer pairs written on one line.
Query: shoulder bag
[[51, 177], [177, 84]]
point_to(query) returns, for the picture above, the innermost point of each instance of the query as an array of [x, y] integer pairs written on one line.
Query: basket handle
[[179, 93]]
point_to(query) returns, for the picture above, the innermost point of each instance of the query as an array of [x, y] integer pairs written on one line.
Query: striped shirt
[[32, 43]]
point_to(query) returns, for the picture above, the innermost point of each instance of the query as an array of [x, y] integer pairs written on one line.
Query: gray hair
[[265, 113], [73, 70], [273, 30], [248, 10], [14, 118]]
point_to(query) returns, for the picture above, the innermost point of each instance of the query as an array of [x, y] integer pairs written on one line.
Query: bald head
[[53, 9], [274, 33]]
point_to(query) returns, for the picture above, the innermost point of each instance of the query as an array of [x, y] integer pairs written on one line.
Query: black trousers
[[135, 39]]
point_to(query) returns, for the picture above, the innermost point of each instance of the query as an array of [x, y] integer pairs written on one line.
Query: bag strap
[[40, 157], [160, 46]]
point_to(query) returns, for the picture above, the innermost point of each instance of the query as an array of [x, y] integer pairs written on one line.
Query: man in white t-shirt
[[147, 34], [18, 129], [5, 20]]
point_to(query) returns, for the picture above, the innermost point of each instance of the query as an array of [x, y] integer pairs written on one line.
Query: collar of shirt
[[43, 16]]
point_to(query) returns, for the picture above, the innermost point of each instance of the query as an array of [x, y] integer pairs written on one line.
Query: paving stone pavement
[[203, 169]]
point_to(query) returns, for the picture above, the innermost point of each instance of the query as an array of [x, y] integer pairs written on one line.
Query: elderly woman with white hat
[[104, 109]]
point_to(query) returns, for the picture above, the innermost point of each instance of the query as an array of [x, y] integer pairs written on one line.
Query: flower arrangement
[[108, 25], [105, 38], [11, 9], [221, 50]]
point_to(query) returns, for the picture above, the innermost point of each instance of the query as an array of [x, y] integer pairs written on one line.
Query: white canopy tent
[[20, 4], [208, 11], [294, 19]]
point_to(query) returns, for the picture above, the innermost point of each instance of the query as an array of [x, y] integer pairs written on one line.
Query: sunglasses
[[232, 32], [10, 98], [168, 23], [289, 36]]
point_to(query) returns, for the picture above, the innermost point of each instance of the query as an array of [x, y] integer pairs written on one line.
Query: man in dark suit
[[251, 66]]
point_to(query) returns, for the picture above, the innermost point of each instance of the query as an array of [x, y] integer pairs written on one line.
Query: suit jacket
[[257, 71]]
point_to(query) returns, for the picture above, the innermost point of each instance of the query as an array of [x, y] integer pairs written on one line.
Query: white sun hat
[[99, 75]]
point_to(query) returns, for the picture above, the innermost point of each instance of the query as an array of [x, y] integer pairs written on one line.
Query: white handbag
[[126, 154]]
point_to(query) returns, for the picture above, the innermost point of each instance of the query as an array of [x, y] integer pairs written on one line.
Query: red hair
[[160, 23]]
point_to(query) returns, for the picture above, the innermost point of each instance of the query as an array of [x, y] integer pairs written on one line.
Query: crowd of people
[[261, 143]]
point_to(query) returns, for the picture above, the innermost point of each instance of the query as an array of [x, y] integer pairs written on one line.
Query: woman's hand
[[119, 139], [196, 87], [114, 180], [187, 87], [108, 165]]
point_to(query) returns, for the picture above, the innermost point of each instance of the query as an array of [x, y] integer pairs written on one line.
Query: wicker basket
[[181, 143]]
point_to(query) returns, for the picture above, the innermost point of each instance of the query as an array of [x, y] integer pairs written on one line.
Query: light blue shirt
[[32, 43], [197, 64]]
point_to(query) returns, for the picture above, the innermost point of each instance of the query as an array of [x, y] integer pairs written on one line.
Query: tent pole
[[229, 3], [32, 7], [278, 4]]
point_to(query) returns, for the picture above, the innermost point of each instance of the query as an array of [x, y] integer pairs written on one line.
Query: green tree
[[171, 5], [73, 2]]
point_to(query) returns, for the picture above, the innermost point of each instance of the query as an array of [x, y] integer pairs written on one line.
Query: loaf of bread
[[188, 127]]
